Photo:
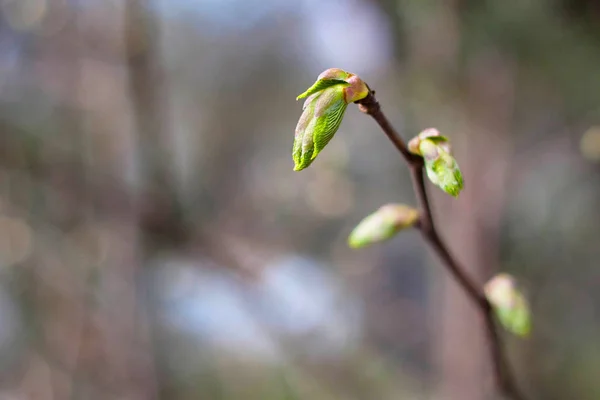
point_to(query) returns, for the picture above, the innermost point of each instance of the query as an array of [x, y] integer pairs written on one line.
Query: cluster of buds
[[383, 224], [441, 167], [323, 110]]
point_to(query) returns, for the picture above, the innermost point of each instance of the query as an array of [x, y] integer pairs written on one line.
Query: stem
[[502, 372]]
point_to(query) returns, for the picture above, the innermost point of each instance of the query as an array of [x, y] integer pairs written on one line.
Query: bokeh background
[[155, 242]]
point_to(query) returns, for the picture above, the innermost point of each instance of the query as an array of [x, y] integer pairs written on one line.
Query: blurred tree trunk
[[115, 337], [470, 224], [89, 320], [161, 220]]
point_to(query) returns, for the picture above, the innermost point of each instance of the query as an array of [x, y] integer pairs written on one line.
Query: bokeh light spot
[[590, 144]]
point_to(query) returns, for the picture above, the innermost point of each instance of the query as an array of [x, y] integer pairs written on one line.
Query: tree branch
[[503, 376]]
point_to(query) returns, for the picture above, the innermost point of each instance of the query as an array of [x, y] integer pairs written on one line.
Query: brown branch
[[504, 379]]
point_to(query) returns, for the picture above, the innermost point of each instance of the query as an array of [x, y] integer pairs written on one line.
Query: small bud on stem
[[509, 304], [383, 224]]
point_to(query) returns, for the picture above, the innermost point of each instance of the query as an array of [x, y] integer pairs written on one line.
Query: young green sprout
[[509, 304], [441, 168], [383, 224], [323, 110]]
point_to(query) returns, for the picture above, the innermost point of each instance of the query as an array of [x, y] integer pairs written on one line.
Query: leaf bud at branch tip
[[323, 110]]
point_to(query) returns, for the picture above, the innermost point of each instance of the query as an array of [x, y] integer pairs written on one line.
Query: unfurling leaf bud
[[509, 304], [431, 134], [323, 110], [383, 224], [442, 169]]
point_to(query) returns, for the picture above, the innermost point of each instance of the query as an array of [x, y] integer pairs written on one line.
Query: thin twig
[[504, 379]]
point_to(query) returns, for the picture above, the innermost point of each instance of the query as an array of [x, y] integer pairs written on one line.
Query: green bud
[[509, 304], [442, 169], [431, 134], [383, 224], [321, 118], [323, 110]]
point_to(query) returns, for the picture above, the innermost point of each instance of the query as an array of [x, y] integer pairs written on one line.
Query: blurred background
[[155, 242]]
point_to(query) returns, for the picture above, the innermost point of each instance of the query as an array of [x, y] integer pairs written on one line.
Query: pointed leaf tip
[[320, 85]]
